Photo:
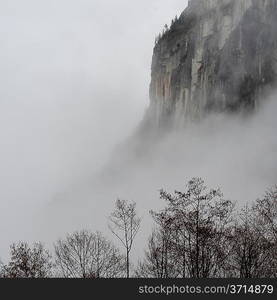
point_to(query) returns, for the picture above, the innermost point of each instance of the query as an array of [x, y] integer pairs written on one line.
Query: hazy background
[[74, 84], [74, 81]]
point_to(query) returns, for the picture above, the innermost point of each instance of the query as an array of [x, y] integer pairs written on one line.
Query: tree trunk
[[127, 265]]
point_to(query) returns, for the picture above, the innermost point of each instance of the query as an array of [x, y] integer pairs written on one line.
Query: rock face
[[220, 55]]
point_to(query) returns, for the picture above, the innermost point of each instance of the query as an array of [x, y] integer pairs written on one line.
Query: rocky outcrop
[[220, 55]]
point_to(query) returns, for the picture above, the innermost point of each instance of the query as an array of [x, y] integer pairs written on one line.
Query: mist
[[75, 78], [234, 153], [74, 82]]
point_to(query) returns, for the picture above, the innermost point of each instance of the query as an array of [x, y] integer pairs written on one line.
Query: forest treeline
[[198, 234]]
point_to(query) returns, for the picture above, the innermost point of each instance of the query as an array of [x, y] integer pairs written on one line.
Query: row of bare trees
[[81, 254], [198, 234]]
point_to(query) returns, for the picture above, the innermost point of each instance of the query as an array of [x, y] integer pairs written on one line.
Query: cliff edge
[[218, 56]]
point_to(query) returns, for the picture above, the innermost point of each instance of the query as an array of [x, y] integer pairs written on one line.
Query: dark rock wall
[[220, 55]]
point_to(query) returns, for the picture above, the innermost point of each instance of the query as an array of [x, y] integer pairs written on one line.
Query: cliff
[[219, 56]]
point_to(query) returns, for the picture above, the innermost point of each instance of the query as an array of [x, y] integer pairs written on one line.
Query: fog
[[234, 153], [74, 86], [74, 82]]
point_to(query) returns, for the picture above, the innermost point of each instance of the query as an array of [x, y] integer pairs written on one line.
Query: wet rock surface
[[218, 56]]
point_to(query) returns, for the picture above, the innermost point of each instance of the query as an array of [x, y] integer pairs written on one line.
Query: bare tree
[[266, 224], [266, 213], [124, 224], [27, 262], [160, 258], [1, 269], [199, 221], [87, 255], [252, 254]]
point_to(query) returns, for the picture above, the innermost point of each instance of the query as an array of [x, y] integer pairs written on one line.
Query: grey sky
[[74, 82]]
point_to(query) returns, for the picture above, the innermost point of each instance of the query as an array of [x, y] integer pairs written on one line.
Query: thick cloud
[[74, 81]]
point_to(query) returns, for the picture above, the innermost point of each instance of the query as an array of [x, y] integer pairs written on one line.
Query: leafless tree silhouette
[[124, 224], [197, 222], [28, 262], [87, 255]]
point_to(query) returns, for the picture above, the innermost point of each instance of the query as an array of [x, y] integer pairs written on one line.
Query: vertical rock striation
[[220, 55]]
